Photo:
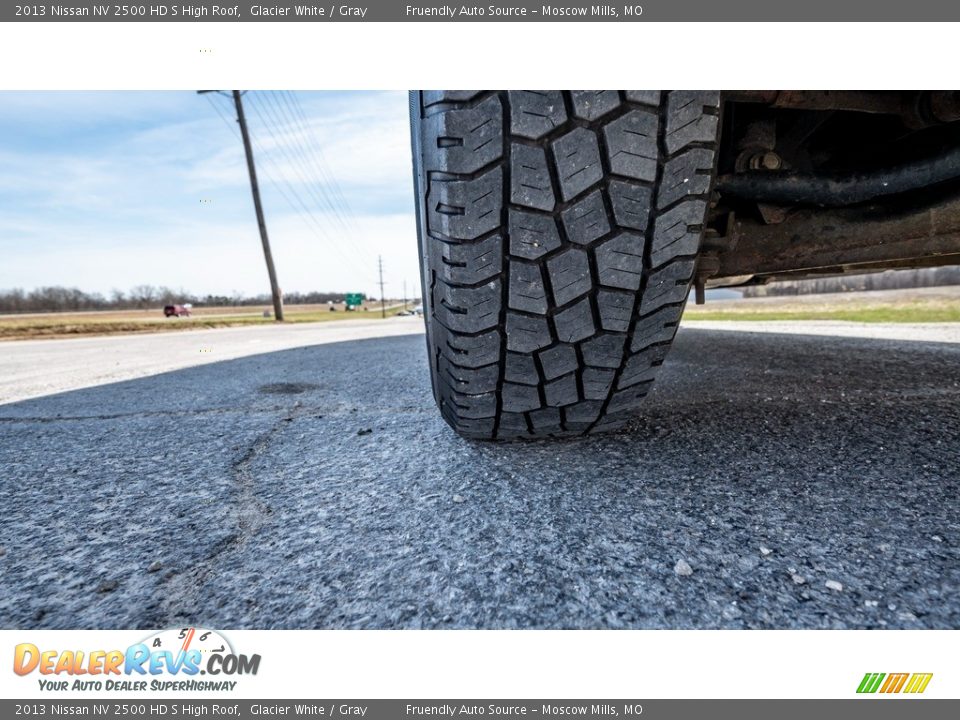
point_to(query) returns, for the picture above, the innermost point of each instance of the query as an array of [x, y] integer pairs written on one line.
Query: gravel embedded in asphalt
[[248, 494]]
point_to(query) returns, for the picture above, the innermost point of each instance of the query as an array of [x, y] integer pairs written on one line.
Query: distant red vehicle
[[176, 311]]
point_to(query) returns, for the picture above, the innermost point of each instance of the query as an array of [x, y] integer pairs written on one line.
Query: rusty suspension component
[[836, 240], [917, 109]]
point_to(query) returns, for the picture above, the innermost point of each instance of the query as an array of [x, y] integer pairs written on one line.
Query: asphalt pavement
[[773, 481]]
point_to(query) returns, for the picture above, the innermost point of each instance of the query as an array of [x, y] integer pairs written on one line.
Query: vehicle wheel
[[558, 237]]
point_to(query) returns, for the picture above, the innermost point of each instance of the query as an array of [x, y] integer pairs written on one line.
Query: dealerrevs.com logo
[[169, 660], [910, 683]]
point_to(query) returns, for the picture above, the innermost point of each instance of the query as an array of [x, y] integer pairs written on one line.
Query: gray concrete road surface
[[32, 368], [774, 481]]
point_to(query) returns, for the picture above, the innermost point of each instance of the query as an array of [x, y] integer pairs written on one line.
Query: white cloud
[[112, 198]]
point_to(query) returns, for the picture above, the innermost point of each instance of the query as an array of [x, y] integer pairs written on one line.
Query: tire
[[558, 233]]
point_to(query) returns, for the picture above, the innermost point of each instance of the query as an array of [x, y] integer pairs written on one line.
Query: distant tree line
[[887, 280], [62, 299]]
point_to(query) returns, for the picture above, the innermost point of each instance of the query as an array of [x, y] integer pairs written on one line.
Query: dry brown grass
[[920, 305], [111, 322]]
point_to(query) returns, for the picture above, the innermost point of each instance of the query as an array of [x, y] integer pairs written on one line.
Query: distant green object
[[354, 300]]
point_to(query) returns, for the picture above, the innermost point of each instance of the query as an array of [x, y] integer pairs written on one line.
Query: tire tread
[[559, 233]]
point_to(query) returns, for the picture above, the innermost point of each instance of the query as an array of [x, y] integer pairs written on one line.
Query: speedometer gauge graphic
[[180, 640]]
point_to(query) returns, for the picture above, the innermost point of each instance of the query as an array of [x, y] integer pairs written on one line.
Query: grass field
[[920, 305], [110, 322]]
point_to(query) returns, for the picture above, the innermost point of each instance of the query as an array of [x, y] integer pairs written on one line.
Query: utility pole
[[383, 302], [404, 295], [261, 222], [255, 189]]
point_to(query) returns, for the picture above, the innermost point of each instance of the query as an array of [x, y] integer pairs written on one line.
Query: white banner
[[505, 664]]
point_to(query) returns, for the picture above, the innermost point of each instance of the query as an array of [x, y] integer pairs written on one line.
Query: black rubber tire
[[558, 236]]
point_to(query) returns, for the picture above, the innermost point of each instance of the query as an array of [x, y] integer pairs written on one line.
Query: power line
[[304, 212], [296, 156], [297, 109], [290, 155], [223, 117], [308, 156], [312, 160]]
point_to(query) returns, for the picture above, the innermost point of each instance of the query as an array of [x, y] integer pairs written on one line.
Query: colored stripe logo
[[913, 683]]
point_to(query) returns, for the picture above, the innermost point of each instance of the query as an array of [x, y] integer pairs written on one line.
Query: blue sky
[[111, 190]]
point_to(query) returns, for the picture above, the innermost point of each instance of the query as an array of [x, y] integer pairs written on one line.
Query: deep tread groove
[[560, 235]]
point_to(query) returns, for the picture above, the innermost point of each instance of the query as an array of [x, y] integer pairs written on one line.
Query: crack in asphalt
[[139, 414], [182, 590], [46, 420], [771, 465]]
